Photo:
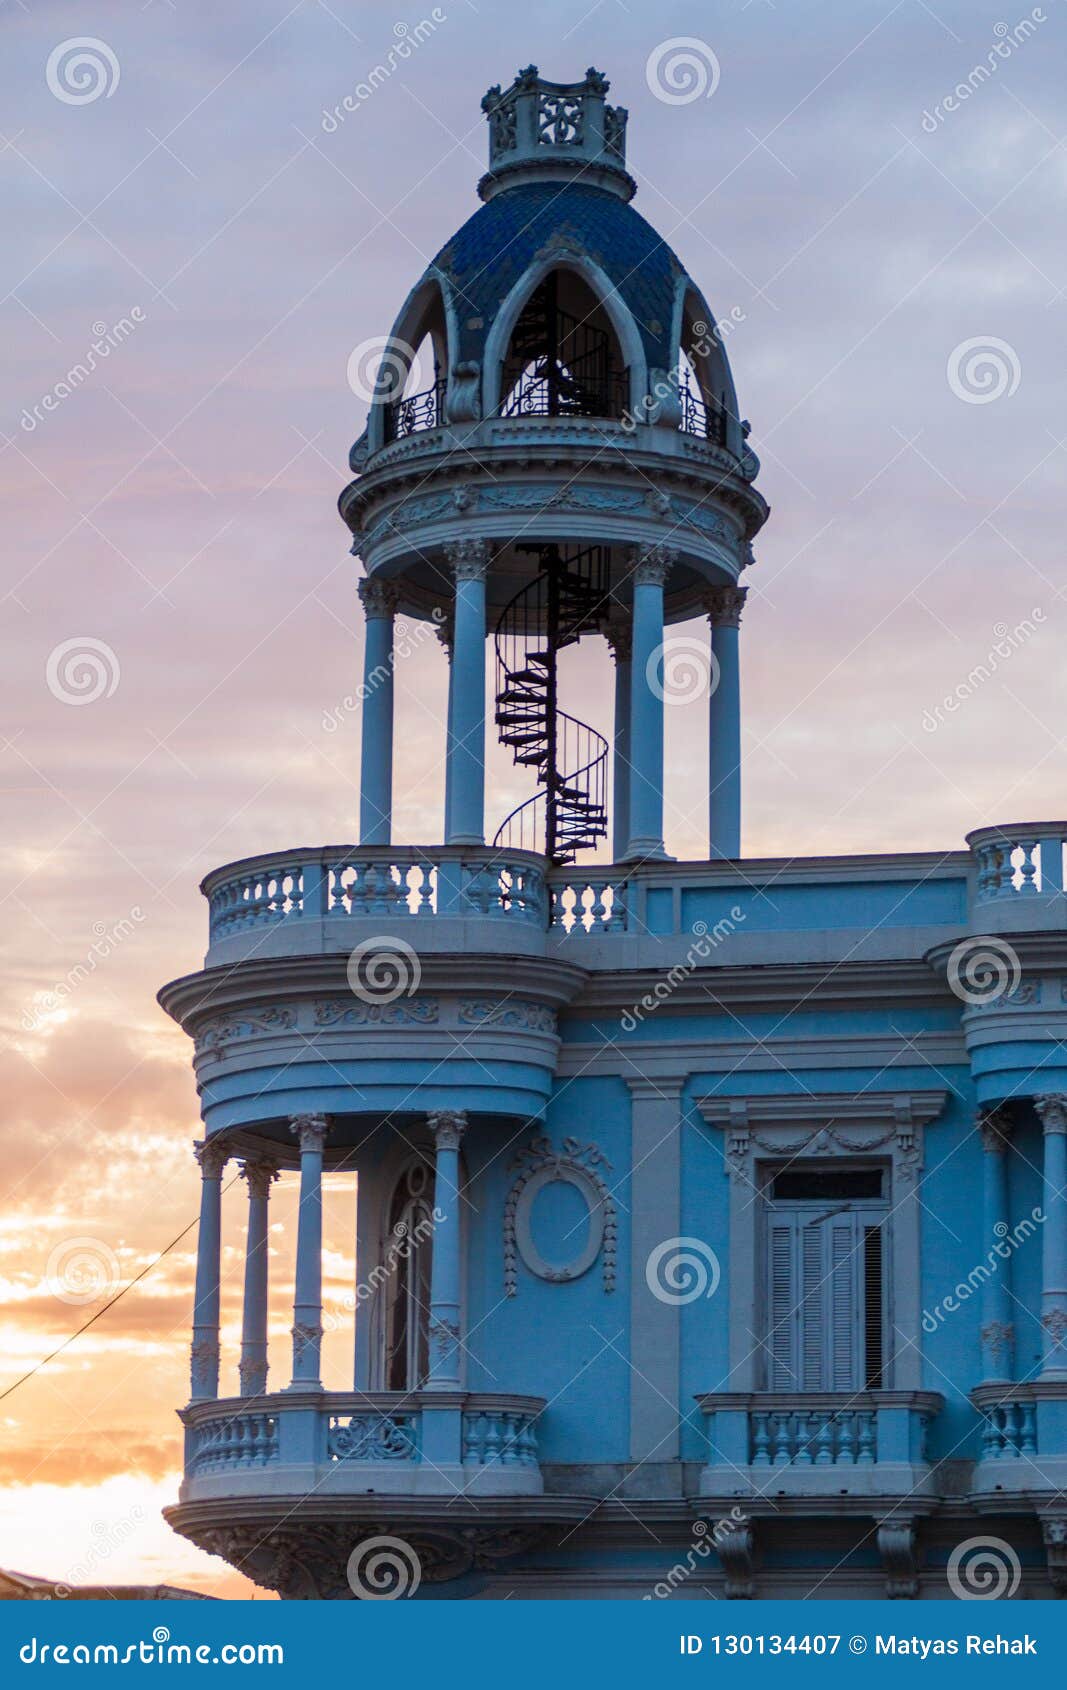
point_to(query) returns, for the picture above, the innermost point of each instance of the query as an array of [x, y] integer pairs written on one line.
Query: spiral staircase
[[566, 599]]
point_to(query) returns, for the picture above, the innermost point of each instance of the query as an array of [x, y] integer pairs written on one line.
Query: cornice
[[841, 1109], [773, 987], [755, 1055], [193, 998]]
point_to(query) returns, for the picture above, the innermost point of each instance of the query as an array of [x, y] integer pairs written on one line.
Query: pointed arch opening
[[412, 375], [705, 386], [564, 357]]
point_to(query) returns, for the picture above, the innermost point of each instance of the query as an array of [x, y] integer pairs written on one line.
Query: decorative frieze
[[212, 1041], [519, 1016], [406, 1012]]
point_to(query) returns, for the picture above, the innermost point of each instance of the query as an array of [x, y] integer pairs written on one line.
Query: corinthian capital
[[652, 565], [260, 1175], [448, 1127], [619, 633], [724, 606], [468, 559], [996, 1128], [377, 597], [213, 1155], [311, 1131], [1052, 1111]]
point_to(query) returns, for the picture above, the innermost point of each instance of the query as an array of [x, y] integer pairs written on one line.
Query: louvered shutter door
[[842, 1372], [813, 1325], [782, 1305]]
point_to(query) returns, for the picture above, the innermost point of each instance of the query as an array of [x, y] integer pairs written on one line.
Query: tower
[[577, 470], [653, 1157]]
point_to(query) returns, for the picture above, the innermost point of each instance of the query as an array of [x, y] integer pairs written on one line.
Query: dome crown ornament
[[542, 131]]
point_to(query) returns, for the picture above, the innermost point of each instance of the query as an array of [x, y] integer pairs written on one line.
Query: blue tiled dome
[[494, 248]]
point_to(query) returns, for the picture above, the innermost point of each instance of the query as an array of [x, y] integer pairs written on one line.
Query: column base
[[648, 850], [305, 1385], [466, 839]]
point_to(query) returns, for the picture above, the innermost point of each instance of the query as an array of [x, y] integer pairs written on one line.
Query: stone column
[[445, 630], [376, 772], [204, 1368], [1052, 1113], [259, 1175], [619, 635], [649, 570], [998, 1329], [447, 1127], [311, 1132], [724, 606], [465, 760]]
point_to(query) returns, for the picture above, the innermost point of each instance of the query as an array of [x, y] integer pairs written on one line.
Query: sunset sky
[[179, 507]]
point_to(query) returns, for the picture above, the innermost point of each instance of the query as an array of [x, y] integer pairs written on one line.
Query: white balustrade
[[1018, 861]]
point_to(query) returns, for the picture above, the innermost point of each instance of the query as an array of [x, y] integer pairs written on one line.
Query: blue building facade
[[712, 1216]]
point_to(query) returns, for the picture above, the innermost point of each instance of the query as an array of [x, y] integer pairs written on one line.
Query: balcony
[[342, 1443], [1017, 880], [806, 1444], [1022, 1425]]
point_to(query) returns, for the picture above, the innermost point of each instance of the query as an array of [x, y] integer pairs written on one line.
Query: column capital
[[378, 598], [212, 1156], [260, 1174], [1052, 1111], [651, 566], [724, 606], [619, 633], [445, 629], [448, 1127], [310, 1130], [996, 1129], [468, 559]]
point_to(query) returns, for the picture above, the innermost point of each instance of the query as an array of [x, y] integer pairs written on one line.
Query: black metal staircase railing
[[569, 813]]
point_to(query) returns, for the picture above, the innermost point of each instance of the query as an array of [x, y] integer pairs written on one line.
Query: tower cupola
[[576, 468]]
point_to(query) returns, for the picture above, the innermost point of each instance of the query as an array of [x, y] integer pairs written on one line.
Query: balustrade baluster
[[866, 1442], [1027, 1429], [824, 1441], [760, 1440], [782, 1449], [846, 1453]]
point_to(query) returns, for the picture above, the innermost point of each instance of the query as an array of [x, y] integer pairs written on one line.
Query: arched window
[[414, 365], [564, 359], [408, 1251]]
